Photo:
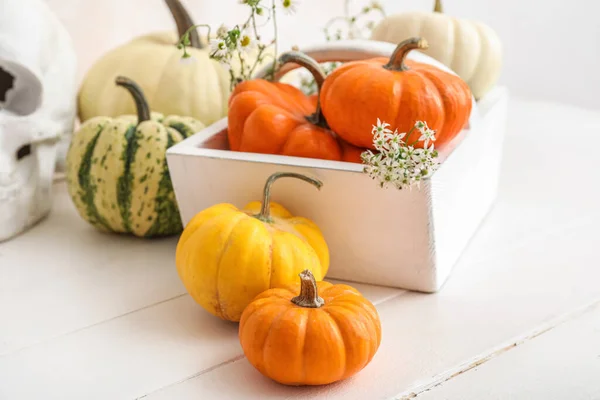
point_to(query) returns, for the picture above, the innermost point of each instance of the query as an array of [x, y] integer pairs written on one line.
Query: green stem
[[319, 76], [438, 6], [275, 36], [184, 22], [185, 40], [397, 59], [309, 294], [408, 135], [141, 104], [265, 210]]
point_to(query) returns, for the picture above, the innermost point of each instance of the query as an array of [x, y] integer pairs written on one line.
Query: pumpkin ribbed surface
[[300, 335], [226, 256], [118, 177]]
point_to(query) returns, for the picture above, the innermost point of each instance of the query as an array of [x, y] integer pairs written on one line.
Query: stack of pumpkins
[[336, 123], [135, 102], [116, 165], [243, 264]]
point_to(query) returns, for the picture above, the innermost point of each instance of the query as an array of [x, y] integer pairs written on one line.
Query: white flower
[[218, 48], [376, 5], [289, 6], [397, 163], [247, 44], [222, 32], [421, 126], [427, 135], [381, 127]]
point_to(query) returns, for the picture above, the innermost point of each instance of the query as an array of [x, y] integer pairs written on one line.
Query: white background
[[552, 47]]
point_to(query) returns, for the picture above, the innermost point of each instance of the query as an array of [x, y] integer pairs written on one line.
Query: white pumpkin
[[38, 91], [199, 88], [470, 48]]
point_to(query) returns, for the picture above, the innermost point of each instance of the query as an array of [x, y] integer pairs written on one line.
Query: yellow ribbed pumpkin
[[227, 256]]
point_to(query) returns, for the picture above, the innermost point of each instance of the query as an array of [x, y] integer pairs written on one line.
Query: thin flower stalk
[[240, 49], [357, 25]]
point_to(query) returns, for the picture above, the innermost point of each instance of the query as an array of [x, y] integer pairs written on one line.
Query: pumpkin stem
[[184, 22], [317, 72], [265, 209], [309, 295], [438, 6], [143, 109], [396, 62]]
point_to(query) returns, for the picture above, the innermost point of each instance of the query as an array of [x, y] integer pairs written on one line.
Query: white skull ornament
[[38, 92]]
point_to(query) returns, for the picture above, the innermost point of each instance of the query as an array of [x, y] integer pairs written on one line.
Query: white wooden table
[[84, 315]]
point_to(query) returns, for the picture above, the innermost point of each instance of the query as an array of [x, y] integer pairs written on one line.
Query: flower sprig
[[347, 26], [240, 49], [397, 162]]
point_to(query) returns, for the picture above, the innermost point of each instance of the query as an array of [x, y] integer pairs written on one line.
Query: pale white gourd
[[38, 92], [470, 48], [198, 88]]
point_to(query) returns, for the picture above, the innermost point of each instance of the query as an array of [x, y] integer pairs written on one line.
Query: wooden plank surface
[[562, 363], [85, 315], [81, 307], [484, 305]]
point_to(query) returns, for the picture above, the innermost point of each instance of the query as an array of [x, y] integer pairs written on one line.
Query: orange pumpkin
[[397, 91], [277, 118], [325, 334], [350, 153]]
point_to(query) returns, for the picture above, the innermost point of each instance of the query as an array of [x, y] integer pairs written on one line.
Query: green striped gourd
[[117, 171]]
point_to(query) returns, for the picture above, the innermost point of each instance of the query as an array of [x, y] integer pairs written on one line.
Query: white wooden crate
[[404, 239]]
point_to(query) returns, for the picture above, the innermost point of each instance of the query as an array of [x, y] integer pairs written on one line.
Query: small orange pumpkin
[[397, 91], [325, 334], [277, 118]]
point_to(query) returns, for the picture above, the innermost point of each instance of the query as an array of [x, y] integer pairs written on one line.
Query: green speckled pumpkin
[[117, 171]]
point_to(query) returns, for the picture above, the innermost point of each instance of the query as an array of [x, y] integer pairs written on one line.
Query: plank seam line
[[439, 379], [197, 374], [391, 297], [52, 338]]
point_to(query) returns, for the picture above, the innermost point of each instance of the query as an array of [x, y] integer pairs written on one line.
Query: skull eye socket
[[6, 83], [23, 151]]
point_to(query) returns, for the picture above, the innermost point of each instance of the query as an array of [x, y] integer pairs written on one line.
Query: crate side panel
[[465, 188], [374, 235]]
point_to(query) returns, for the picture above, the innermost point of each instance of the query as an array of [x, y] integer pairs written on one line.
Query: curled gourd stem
[[265, 210], [438, 6], [317, 72], [309, 295], [141, 105], [397, 59], [184, 22]]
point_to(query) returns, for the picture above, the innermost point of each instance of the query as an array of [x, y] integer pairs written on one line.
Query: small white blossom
[[421, 126], [289, 6], [376, 5], [222, 32], [218, 48], [381, 127], [247, 44], [427, 135], [397, 163]]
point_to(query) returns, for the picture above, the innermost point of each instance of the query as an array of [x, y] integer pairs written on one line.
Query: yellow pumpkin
[[227, 256], [199, 88]]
